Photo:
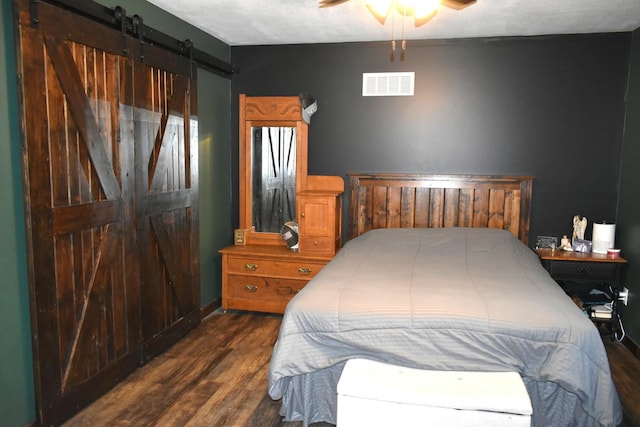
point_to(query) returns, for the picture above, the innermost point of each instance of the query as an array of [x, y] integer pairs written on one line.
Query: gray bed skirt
[[315, 395]]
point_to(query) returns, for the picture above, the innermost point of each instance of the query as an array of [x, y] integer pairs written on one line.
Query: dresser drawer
[[587, 270], [263, 288], [317, 244], [265, 277], [264, 267]]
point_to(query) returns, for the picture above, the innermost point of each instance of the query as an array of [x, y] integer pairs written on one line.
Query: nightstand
[[579, 273]]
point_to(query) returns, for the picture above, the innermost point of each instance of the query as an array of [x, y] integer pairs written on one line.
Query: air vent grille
[[388, 84]]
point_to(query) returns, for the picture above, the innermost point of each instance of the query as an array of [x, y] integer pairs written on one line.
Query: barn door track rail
[[134, 27]]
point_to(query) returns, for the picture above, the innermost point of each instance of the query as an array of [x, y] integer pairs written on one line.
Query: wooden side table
[[576, 271]]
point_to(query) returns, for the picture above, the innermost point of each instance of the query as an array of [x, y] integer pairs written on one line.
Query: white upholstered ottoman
[[378, 394]]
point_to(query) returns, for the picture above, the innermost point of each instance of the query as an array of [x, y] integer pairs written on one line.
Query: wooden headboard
[[390, 200]]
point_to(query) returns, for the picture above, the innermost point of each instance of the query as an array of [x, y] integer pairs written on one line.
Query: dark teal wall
[[628, 222], [215, 182], [17, 402]]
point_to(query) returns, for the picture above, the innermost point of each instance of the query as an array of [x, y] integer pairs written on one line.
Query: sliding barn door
[[167, 190], [111, 190]]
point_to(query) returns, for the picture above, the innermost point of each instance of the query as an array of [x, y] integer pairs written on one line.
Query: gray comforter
[[444, 299]]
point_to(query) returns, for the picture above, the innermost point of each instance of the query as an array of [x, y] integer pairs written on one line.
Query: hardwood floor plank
[[267, 414], [625, 370], [178, 377], [183, 410], [217, 375], [232, 404]]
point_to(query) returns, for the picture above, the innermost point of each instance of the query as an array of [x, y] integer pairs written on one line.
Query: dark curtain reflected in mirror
[[274, 177]]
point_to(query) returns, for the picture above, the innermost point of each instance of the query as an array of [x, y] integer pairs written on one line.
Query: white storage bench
[[373, 394]]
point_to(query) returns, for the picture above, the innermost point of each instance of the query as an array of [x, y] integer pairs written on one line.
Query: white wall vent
[[388, 84]]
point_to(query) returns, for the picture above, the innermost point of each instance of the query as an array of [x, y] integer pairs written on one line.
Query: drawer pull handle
[[250, 288], [582, 270], [251, 267], [304, 270]]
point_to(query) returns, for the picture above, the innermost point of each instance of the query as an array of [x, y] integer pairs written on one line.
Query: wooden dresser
[[260, 273], [265, 277]]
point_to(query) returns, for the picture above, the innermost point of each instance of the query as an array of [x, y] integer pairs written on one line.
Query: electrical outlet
[[624, 296]]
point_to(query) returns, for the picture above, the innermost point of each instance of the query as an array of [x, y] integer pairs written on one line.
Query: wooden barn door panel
[[78, 150], [167, 191], [110, 171]]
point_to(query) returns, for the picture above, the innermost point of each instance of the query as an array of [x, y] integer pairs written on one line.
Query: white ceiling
[[260, 22]]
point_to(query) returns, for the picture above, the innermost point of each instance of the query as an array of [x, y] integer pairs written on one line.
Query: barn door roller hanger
[[134, 26]]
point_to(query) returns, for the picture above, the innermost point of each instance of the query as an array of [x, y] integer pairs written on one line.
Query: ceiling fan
[[421, 10]]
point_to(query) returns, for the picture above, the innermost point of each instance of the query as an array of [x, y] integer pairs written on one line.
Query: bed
[[436, 276]]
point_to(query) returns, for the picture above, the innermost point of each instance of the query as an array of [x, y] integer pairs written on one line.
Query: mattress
[[466, 299]]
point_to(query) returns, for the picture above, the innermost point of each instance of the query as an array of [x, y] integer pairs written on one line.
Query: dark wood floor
[[217, 375], [625, 370]]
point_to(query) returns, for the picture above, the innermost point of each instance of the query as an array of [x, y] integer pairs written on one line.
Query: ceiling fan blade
[[457, 4], [328, 3]]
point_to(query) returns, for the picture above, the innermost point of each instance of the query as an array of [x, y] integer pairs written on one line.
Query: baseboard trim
[[210, 308], [632, 346]]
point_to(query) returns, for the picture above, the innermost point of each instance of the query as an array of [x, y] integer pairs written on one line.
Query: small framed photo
[[239, 236], [546, 242]]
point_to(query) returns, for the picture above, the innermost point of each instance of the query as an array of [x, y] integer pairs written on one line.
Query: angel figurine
[[565, 244], [579, 227]]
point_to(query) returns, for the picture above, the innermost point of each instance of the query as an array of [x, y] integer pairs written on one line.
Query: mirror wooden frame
[[267, 111]]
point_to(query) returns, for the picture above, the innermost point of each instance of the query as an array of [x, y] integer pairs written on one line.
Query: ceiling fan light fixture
[[421, 10], [417, 8], [423, 20], [424, 10], [380, 9]]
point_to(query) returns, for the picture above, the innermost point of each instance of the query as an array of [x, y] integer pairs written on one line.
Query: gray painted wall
[[628, 222], [553, 107]]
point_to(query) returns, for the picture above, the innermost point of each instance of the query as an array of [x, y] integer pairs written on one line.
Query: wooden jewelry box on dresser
[[259, 272]]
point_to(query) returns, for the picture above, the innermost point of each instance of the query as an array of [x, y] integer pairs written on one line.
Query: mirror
[[273, 168], [273, 165]]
